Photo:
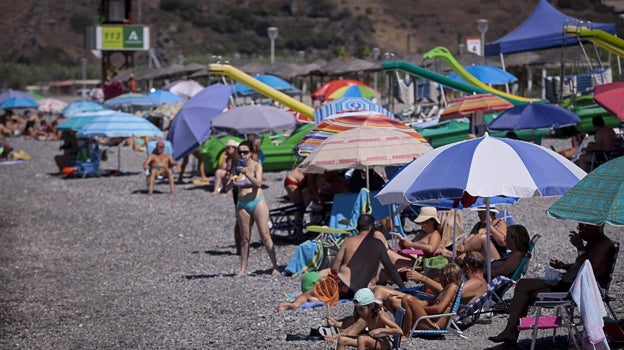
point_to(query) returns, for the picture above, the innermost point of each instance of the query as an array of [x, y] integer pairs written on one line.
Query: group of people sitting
[[355, 270], [29, 125]]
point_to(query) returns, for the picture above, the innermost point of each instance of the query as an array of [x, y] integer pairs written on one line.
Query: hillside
[[39, 31]]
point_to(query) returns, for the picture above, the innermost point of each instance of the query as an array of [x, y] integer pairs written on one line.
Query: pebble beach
[[96, 263]]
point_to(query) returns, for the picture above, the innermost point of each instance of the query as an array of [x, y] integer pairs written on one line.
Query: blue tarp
[[543, 29]]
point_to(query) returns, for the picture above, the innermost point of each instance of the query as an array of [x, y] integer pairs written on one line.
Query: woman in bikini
[[251, 205], [451, 280], [369, 320]]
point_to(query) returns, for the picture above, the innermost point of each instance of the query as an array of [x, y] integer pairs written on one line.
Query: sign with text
[[130, 38], [473, 43]]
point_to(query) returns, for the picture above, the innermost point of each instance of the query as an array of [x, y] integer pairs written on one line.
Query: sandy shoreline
[[96, 263]]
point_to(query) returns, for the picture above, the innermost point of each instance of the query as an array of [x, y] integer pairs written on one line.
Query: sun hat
[[427, 213], [308, 280], [492, 209], [365, 296], [231, 143]]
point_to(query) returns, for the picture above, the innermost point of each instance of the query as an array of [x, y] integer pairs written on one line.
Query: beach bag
[[104, 155]]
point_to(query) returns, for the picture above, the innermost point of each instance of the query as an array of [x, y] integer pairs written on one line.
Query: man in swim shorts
[[358, 259], [160, 164]]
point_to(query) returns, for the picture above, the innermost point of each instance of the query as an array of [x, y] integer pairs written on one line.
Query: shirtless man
[[160, 163], [357, 261], [604, 138]]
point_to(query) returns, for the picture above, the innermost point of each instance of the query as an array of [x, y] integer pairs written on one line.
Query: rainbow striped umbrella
[[351, 120], [474, 103], [355, 91]]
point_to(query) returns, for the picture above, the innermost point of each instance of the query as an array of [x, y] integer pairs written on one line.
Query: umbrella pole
[[118, 158], [454, 231], [488, 253], [367, 179]]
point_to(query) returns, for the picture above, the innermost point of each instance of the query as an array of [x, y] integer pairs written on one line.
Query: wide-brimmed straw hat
[[427, 213], [231, 143]]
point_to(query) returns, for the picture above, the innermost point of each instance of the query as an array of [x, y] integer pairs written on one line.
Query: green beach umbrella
[[596, 199]]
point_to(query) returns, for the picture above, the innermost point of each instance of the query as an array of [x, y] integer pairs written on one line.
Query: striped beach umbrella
[[597, 199], [351, 120], [348, 104], [472, 104]]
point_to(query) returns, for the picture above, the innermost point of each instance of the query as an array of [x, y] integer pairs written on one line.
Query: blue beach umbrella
[[191, 125], [534, 116], [81, 106], [597, 199], [276, 83], [19, 102], [348, 104], [163, 96], [130, 100], [119, 124], [487, 74], [14, 93], [78, 120], [464, 169]]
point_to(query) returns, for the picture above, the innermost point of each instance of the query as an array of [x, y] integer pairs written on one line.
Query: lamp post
[[482, 25], [272, 33], [83, 62]]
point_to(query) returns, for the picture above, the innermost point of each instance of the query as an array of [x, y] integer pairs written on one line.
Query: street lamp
[[83, 62], [272, 33], [376, 52], [482, 25]]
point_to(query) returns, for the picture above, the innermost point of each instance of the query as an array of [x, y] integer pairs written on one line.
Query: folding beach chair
[[395, 340], [284, 219], [150, 147], [91, 165], [468, 315], [450, 326]]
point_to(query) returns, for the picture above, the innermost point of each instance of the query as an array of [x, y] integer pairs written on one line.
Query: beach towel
[[586, 295], [306, 258]]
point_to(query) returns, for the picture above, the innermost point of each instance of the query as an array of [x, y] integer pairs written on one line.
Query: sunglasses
[[242, 153]]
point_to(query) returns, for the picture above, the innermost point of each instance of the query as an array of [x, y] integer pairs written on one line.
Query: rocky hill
[[39, 31]]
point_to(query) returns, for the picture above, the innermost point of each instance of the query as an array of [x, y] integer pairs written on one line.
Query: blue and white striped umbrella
[[80, 120], [81, 106], [120, 125], [130, 100], [348, 104], [483, 167]]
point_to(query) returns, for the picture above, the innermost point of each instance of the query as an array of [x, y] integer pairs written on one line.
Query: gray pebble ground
[[97, 264]]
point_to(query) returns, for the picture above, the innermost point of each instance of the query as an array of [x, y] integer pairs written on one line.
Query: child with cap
[[307, 292], [368, 321]]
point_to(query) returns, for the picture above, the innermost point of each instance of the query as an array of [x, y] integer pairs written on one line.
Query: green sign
[[122, 38]]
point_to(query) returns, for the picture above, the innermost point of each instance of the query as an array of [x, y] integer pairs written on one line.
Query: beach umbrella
[[254, 119], [487, 74], [119, 124], [51, 105], [474, 103], [163, 96], [14, 93], [534, 116], [466, 170], [348, 104], [323, 92], [348, 121], [364, 147], [355, 91], [597, 199], [191, 125], [609, 96], [79, 120], [81, 106], [130, 100], [19, 102], [184, 88], [276, 83]]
